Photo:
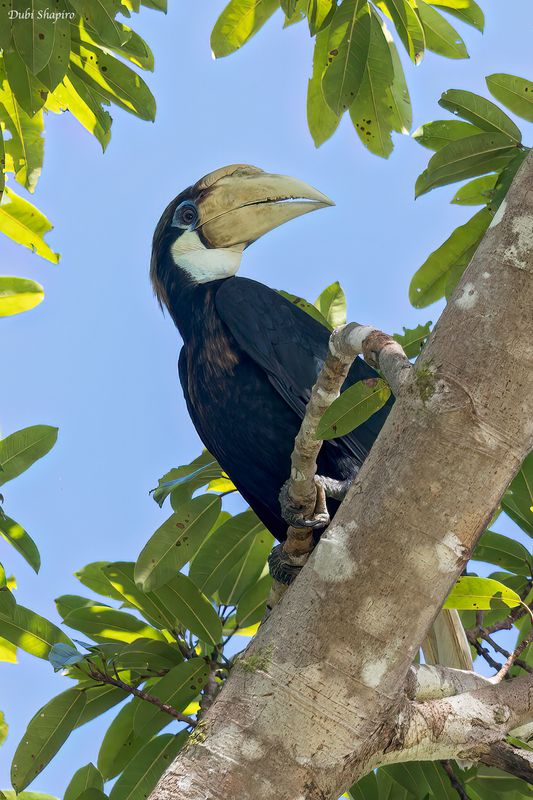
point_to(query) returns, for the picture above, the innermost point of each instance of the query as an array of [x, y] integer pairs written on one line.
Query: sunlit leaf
[[3, 728], [100, 16], [121, 576], [481, 594], [332, 304], [54, 71], [348, 43], [21, 449], [320, 14], [31, 632], [476, 192], [467, 11], [176, 541], [440, 36], [354, 406], [86, 105], [25, 224], [103, 623], [87, 777], [481, 112], [24, 150], [429, 282], [18, 294], [397, 95], [413, 339], [441, 132], [252, 605], [45, 734], [8, 651], [408, 25], [191, 476], [309, 308], [20, 540], [191, 609], [7, 603], [99, 699], [144, 771], [134, 47], [515, 93], [29, 91], [322, 121], [34, 41], [248, 568], [177, 688], [148, 655], [94, 578], [238, 22]]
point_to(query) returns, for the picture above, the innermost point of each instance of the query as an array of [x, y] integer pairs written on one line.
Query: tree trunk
[[316, 701]]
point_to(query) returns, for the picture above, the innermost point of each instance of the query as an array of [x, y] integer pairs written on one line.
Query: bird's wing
[[290, 346]]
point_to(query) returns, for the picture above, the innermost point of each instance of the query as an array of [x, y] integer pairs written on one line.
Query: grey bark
[[318, 693]]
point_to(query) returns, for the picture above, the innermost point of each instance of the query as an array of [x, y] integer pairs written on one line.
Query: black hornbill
[[249, 356]]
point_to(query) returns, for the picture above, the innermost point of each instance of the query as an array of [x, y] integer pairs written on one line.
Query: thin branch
[[103, 677], [514, 658], [483, 652], [511, 759], [454, 780], [506, 654]]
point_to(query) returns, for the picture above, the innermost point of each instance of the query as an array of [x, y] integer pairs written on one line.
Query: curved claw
[[280, 568], [292, 514]]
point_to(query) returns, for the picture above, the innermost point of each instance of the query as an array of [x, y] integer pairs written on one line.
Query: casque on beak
[[238, 207]]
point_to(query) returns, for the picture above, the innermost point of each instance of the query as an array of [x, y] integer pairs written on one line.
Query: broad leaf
[[121, 577], [8, 651], [31, 632], [238, 22], [3, 728], [62, 656], [176, 542], [354, 406], [481, 594], [148, 655], [21, 449], [481, 112], [144, 771], [430, 281], [120, 744], [188, 477], [19, 294], [332, 304], [99, 699], [87, 777], [99, 15], [25, 224], [24, 151], [20, 540], [34, 40], [320, 14], [518, 499], [93, 576], [45, 734], [247, 570], [177, 688], [29, 91], [440, 36], [221, 552], [322, 121], [348, 43], [397, 95], [7, 603], [515, 93], [86, 105], [54, 71], [104, 624], [252, 605], [309, 308], [494, 548], [407, 22], [413, 339], [476, 192], [441, 132], [191, 609], [467, 11]]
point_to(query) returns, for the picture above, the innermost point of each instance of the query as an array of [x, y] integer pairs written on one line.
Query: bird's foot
[[333, 488], [293, 514], [281, 566]]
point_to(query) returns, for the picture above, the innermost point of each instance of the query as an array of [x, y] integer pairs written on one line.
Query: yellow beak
[[238, 204]]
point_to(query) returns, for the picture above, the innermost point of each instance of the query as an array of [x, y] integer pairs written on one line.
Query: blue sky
[[98, 359]]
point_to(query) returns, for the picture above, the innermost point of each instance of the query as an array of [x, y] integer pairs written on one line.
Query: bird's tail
[[446, 643]]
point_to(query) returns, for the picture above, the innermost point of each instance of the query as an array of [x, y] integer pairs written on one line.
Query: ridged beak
[[239, 204]]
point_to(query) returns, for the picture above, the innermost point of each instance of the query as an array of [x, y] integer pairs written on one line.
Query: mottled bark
[[317, 697]]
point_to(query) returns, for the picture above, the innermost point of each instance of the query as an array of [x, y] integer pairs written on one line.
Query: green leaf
[[34, 37], [309, 308], [134, 48], [466, 158], [24, 151], [252, 605], [191, 609], [481, 594], [18, 294], [99, 700], [517, 501], [494, 548], [54, 71], [121, 576], [429, 282], [437, 134], [87, 777], [9, 795], [113, 80], [481, 112], [248, 569], [371, 111], [238, 22], [348, 44], [476, 192], [467, 11], [29, 91], [222, 551], [63, 655], [7, 603], [8, 651], [322, 121], [407, 22], [320, 13], [144, 771], [177, 688], [190, 476], [23, 448], [332, 304], [413, 339], [120, 744], [441, 37], [410, 777], [354, 406], [397, 95], [25, 224], [99, 15], [86, 105], [148, 655], [3, 728], [20, 540], [365, 789], [176, 541], [31, 633], [103, 623], [93, 577], [515, 93], [45, 734]]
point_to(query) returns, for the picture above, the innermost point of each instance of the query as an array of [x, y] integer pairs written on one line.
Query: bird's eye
[[185, 215]]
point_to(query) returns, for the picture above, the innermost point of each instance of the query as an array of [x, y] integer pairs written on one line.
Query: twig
[[103, 677], [454, 780], [211, 689], [514, 658], [483, 652], [501, 625]]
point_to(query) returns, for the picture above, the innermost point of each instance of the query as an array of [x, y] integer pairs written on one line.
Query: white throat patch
[[202, 263]]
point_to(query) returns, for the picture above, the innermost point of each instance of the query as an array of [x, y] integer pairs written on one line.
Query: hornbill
[[250, 357]]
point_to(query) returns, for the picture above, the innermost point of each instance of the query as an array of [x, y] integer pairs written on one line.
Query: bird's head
[[203, 232]]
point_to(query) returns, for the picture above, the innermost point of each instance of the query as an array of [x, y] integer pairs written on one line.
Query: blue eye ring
[[185, 215]]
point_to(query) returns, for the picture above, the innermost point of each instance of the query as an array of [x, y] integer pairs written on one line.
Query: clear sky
[[98, 359]]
